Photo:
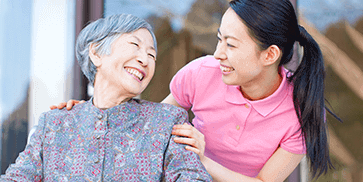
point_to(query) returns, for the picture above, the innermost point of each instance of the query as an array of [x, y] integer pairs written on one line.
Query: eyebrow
[[227, 36], [151, 47]]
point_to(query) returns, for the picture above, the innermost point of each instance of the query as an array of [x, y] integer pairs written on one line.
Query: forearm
[[29, 164], [277, 168], [171, 100], [221, 174]]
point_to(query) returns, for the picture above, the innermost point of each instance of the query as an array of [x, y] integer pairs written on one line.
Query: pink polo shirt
[[240, 134]]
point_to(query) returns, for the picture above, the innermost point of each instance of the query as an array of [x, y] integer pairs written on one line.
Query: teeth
[[226, 69], [136, 73]]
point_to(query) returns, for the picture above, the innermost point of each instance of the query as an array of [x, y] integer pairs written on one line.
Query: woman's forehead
[[141, 36], [232, 25]]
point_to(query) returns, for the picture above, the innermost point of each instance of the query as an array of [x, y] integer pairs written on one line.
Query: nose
[[220, 53], [142, 59]]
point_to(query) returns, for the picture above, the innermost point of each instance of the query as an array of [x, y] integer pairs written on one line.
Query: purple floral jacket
[[128, 142]]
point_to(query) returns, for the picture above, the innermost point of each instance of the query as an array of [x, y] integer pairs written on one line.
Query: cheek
[[247, 66], [151, 69], [254, 72]]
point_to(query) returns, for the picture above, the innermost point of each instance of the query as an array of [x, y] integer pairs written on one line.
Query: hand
[[194, 140], [69, 104]]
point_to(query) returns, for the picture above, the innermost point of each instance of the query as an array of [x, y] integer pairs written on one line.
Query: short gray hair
[[102, 33]]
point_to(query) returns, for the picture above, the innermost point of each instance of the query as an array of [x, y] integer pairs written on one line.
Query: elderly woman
[[111, 137]]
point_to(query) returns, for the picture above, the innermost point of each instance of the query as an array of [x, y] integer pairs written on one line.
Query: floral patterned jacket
[[128, 142]]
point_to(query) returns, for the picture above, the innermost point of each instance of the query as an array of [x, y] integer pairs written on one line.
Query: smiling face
[[130, 66], [239, 56]]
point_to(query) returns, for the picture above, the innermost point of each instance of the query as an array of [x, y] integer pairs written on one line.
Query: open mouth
[[226, 69], [136, 73]]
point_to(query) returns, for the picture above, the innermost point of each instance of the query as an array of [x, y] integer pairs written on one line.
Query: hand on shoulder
[[69, 105], [191, 137]]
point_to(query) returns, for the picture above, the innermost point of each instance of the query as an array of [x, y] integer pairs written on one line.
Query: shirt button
[[98, 137], [247, 106], [96, 160], [99, 116], [237, 127]]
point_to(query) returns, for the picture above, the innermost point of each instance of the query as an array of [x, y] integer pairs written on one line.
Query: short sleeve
[[294, 141], [183, 84]]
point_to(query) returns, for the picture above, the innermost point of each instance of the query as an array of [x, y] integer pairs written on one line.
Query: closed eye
[[152, 56], [219, 39], [230, 45], [134, 43]]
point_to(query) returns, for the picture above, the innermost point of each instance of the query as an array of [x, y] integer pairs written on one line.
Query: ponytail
[[308, 97]]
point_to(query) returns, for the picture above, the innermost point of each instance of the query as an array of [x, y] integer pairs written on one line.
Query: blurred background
[[38, 66]]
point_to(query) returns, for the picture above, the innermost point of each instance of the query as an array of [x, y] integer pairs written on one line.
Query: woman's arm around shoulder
[[171, 100], [280, 165], [69, 105], [277, 169]]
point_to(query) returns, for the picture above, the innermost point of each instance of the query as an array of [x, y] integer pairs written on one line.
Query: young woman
[[255, 120]]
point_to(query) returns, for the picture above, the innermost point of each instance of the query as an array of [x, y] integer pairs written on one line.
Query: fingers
[[193, 137], [192, 145], [183, 126], [53, 107], [194, 141], [68, 104], [61, 105], [195, 150], [189, 141], [71, 103], [187, 130], [183, 132]]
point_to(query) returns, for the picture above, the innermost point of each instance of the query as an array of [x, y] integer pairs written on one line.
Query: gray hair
[[102, 33]]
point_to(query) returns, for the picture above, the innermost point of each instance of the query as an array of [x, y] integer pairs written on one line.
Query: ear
[[272, 55], [95, 58]]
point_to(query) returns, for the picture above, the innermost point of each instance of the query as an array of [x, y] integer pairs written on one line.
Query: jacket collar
[[123, 114]]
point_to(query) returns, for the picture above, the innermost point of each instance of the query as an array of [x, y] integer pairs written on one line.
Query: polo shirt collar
[[264, 106]]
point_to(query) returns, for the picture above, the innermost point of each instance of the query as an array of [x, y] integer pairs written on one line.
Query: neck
[[263, 87], [108, 95]]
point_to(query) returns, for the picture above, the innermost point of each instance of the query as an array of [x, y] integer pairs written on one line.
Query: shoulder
[[166, 111], [206, 67], [166, 108], [64, 111], [203, 62], [58, 116], [196, 65]]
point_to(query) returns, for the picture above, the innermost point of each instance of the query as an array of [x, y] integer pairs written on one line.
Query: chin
[[133, 91], [227, 81], [138, 91]]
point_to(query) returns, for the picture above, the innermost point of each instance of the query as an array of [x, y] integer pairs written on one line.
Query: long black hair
[[274, 22]]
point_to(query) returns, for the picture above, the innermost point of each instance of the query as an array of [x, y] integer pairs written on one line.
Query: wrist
[[205, 161]]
